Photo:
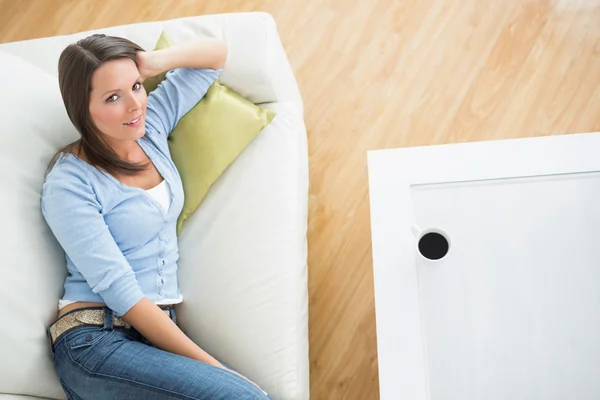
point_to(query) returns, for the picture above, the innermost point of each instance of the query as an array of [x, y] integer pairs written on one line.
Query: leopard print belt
[[94, 317]]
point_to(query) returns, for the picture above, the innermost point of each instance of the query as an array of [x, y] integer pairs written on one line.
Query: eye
[[112, 98], [137, 86]]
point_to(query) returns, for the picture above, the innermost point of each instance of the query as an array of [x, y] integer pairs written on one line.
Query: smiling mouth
[[133, 121]]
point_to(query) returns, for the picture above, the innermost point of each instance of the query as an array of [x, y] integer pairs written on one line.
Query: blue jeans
[[102, 362]]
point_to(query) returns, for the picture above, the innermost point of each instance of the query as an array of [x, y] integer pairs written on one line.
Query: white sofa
[[243, 268]]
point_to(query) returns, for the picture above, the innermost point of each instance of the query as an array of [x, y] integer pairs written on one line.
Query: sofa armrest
[[258, 67]]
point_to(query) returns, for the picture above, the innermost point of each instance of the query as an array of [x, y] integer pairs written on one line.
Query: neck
[[127, 150]]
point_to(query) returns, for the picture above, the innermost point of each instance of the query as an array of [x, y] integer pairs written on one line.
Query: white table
[[513, 310]]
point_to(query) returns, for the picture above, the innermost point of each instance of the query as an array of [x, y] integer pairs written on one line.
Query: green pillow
[[209, 137]]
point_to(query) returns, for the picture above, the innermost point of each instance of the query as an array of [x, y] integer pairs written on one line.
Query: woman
[[112, 199]]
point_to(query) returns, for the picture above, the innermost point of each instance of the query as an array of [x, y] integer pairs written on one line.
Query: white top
[[161, 193]]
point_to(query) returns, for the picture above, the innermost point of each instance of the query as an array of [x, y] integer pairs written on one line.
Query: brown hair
[[76, 65]]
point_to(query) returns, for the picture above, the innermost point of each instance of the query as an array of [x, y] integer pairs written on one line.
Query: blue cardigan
[[120, 244]]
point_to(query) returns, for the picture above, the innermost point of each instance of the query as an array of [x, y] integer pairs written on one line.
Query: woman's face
[[118, 101]]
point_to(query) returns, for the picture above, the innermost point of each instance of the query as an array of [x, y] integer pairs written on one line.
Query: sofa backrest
[[260, 71]]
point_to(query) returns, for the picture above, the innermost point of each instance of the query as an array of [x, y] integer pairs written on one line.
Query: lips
[[133, 121]]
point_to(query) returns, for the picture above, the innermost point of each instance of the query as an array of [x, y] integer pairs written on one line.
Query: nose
[[134, 103]]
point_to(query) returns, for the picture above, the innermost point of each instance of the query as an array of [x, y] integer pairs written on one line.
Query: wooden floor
[[380, 74]]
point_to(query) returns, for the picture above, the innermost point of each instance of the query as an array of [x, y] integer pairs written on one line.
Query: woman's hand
[[213, 361], [149, 64], [242, 376]]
